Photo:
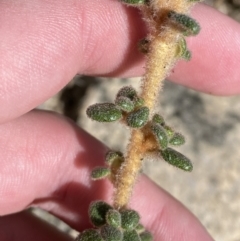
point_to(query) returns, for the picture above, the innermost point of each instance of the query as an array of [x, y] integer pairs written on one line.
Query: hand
[[45, 158]]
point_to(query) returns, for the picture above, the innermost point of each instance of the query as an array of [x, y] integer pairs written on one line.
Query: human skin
[[45, 158]]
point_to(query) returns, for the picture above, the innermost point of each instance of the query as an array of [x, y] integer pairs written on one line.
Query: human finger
[[47, 163], [44, 44], [215, 55]]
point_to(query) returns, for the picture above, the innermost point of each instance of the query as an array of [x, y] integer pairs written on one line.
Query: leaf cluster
[[114, 225]]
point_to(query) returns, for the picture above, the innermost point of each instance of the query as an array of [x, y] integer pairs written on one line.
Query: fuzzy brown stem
[[162, 52], [129, 171], [161, 61]]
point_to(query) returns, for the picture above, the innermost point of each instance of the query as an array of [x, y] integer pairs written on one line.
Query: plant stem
[[162, 52], [162, 55]]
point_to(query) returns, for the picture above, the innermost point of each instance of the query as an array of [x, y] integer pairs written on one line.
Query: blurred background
[[210, 125]]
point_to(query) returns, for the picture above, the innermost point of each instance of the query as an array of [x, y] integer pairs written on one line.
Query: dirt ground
[[212, 190]]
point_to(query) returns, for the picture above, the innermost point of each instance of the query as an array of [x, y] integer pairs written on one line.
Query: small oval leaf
[[97, 212], [113, 156], [125, 103], [182, 50], [127, 91], [140, 228], [131, 235], [89, 235], [177, 139], [110, 233], [187, 23], [100, 173], [104, 112], [169, 130], [130, 219], [138, 102], [134, 2], [176, 159], [113, 218], [138, 118], [160, 135], [146, 236], [158, 119]]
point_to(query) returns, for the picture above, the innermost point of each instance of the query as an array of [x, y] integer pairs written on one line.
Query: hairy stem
[[129, 171], [163, 52], [161, 61]]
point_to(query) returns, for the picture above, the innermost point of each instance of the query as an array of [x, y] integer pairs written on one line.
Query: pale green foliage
[[100, 173], [127, 91], [165, 135], [131, 235], [134, 2], [114, 225], [105, 112], [158, 119], [183, 51], [177, 139], [113, 156], [176, 159], [139, 228], [123, 224], [146, 236], [110, 233], [169, 131], [97, 213], [138, 118], [160, 135], [188, 24], [89, 235], [130, 219], [113, 218], [125, 103]]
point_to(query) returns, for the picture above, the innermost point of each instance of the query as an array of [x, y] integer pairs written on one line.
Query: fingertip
[[215, 54], [164, 216]]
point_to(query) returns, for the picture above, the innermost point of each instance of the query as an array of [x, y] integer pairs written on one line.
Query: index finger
[[43, 171], [44, 44]]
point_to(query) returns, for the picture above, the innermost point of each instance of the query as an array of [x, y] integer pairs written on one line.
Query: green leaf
[[182, 50], [113, 218], [130, 219], [97, 212], [146, 236], [140, 228], [161, 135], [169, 131], [110, 233], [187, 55], [134, 2], [158, 119], [188, 24], [125, 103], [100, 173], [138, 102], [104, 112], [176, 159], [177, 139], [113, 156], [89, 235], [131, 235], [127, 91], [138, 118]]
